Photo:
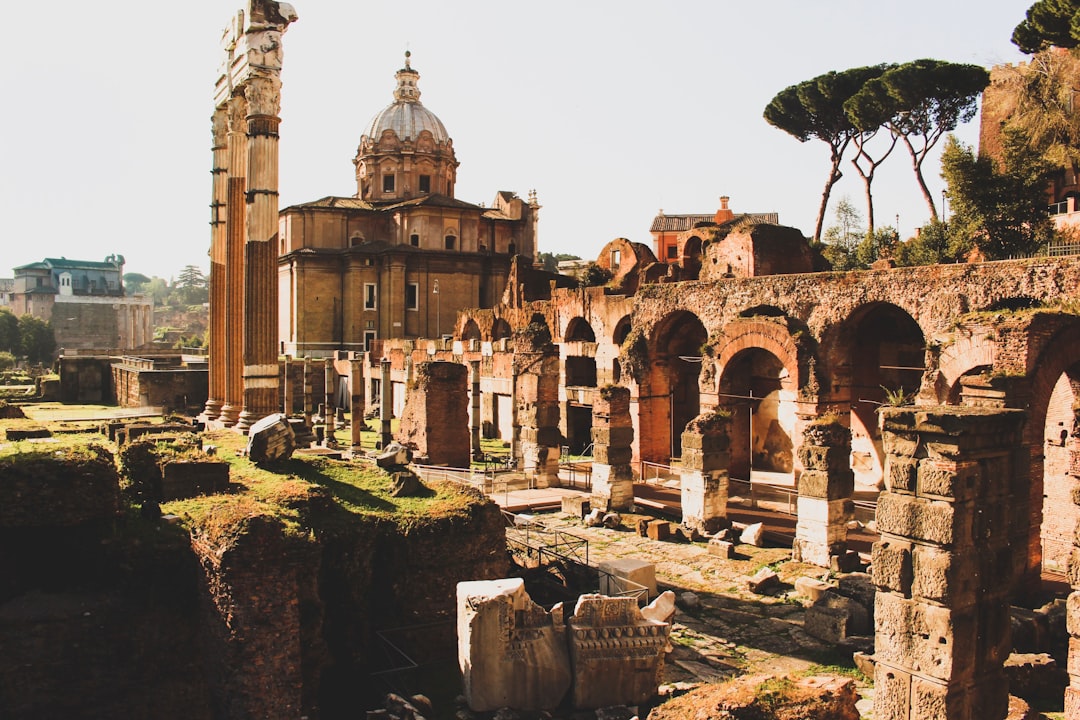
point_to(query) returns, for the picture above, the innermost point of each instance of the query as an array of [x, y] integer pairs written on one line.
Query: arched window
[[414, 240]]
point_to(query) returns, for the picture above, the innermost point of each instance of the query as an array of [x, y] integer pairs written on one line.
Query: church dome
[[406, 116]]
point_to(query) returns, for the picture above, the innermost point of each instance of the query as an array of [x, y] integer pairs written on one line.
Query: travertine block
[[832, 485], [892, 696], [613, 436], [639, 572], [828, 512], [933, 521], [511, 652], [704, 500], [959, 481], [828, 459], [943, 576], [612, 455], [1072, 615], [900, 473], [613, 486]]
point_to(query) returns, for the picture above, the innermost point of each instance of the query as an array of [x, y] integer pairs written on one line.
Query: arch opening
[[757, 390]]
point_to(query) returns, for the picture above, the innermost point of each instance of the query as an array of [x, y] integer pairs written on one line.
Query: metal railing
[[542, 544], [652, 473]]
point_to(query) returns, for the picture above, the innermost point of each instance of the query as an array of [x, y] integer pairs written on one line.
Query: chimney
[[724, 214]]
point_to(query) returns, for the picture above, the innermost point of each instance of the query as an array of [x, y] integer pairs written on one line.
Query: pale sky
[[610, 110]]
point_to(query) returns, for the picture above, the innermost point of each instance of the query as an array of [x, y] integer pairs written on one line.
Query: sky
[[610, 110]]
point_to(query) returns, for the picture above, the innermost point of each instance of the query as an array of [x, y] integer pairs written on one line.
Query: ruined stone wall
[[174, 388]]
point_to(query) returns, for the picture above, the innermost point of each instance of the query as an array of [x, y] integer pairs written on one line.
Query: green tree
[[1045, 105], [923, 100], [1000, 210], [932, 245], [192, 287], [9, 331], [158, 289], [134, 282], [842, 238], [814, 109], [1049, 23], [36, 339]]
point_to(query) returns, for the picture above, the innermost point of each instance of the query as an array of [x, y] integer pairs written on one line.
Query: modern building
[[402, 256]]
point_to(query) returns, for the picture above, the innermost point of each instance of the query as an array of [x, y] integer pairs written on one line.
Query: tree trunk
[[916, 164], [834, 177]]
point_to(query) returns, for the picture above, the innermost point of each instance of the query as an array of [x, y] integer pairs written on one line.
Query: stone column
[[943, 567], [234, 264], [263, 93], [536, 393], [386, 404], [329, 376], [356, 401], [474, 384], [287, 392], [706, 456], [612, 436], [435, 421], [308, 398], [218, 249], [825, 489]]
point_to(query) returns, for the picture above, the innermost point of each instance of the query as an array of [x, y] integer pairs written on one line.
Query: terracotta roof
[[682, 223], [353, 203]]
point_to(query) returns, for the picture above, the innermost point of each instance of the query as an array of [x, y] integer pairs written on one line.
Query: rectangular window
[[370, 294], [616, 256], [412, 296], [425, 183], [388, 183], [369, 340], [672, 252]]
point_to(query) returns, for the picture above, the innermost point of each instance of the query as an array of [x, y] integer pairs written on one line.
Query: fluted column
[[218, 213], [235, 233], [260, 308]]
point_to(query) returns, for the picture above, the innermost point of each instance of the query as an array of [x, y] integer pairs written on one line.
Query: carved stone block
[[512, 652]]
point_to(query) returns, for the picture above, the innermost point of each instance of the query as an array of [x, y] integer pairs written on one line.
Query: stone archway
[[500, 329], [758, 371], [470, 330], [672, 397], [759, 392], [876, 357]]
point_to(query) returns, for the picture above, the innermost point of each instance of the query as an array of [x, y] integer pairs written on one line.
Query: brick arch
[[773, 337], [578, 328], [959, 358], [1059, 356]]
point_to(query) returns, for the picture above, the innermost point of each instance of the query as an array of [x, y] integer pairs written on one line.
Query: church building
[[401, 257]]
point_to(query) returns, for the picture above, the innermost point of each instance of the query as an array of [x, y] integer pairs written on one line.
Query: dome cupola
[[406, 151]]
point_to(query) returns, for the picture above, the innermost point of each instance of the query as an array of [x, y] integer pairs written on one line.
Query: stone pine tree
[[814, 110], [870, 120], [1049, 23], [923, 100]]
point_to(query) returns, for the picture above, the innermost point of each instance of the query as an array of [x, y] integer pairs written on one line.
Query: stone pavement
[[730, 631]]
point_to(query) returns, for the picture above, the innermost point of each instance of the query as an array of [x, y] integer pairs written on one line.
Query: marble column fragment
[[474, 395], [386, 402], [706, 457], [944, 567], [826, 487], [612, 436]]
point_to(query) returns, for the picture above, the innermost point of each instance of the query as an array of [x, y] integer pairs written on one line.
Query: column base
[[229, 415], [212, 410]]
